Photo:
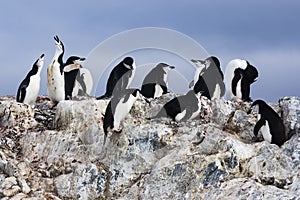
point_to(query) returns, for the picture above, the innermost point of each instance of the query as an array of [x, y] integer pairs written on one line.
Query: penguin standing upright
[[117, 109], [208, 78], [182, 108], [71, 70], [155, 83], [120, 77], [239, 75], [269, 123], [30, 86], [55, 76]]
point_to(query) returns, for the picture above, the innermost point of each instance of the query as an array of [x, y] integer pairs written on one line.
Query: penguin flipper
[[21, 94], [235, 80], [246, 92], [258, 126]]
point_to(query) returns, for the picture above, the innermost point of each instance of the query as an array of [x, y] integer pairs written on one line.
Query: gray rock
[[290, 108], [58, 153]]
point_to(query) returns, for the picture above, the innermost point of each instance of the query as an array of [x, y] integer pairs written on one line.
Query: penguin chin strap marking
[[127, 66]]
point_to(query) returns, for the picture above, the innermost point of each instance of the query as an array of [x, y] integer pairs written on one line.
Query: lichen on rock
[[57, 152]]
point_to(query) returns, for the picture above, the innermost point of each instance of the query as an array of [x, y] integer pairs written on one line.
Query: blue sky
[[264, 32]]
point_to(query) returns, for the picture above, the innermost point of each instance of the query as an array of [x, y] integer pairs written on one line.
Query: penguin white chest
[[197, 112], [197, 74], [265, 131], [217, 92], [158, 91], [56, 83], [83, 84], [131, 78], [238, 89], [32, 89], [121, 111], [180, 116]]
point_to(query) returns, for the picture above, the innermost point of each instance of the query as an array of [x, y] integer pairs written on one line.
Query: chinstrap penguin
[[208, 78], [120, 77], [269, 123], [155, 83], [182, 108], [71, 70], [55, 76], [117, 109], [30, 86], [239, 75]]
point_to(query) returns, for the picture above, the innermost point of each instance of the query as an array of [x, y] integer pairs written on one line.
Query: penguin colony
[[69, 79]]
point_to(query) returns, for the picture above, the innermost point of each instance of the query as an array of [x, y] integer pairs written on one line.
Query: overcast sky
[[266, 33]]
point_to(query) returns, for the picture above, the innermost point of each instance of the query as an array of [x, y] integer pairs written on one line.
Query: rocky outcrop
[[57, 152]]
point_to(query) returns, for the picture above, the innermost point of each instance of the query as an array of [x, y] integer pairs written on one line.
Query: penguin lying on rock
[[269, 123], [182, 108]]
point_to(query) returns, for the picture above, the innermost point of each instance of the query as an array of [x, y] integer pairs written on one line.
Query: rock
[[87, 182], [11, 191], [16, 114], [222, 110], [9, 182], [58, 153], [25, 188], [18, 196], [290, 108]]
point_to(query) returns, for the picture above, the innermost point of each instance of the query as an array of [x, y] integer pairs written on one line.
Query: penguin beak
[[71, 67], [171, 67], [197, 61], [82, 59]]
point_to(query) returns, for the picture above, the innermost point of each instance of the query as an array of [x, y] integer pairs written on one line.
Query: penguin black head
[[37, 66], [73, 63], [128, 63], [200, 64], [165, 66], [74, 60], [59, 43], [258, 104], [214, 60], [39, 62]]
